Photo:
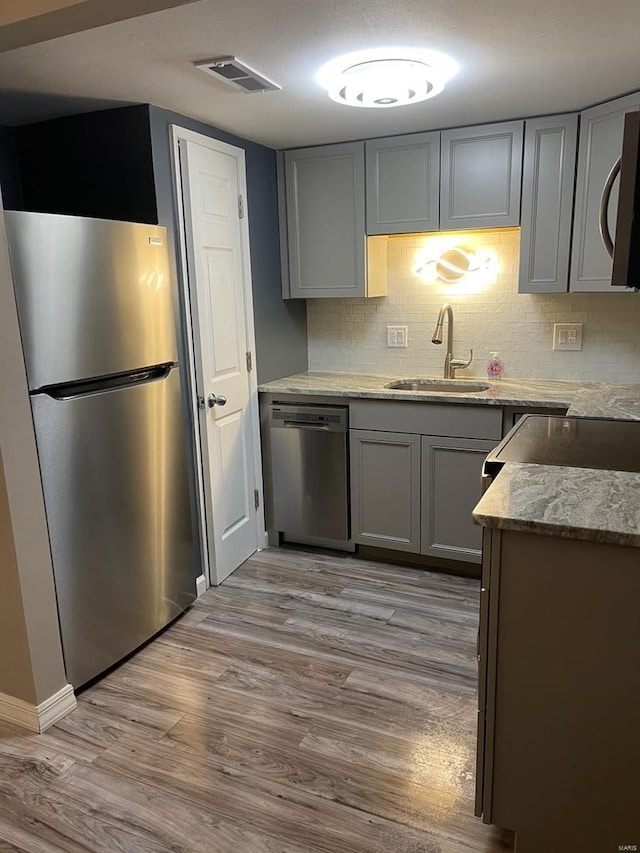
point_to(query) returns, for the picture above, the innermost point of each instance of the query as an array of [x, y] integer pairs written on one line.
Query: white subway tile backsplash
[[350, 334]]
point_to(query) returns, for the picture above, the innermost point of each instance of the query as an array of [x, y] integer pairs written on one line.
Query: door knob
[[214, 400]]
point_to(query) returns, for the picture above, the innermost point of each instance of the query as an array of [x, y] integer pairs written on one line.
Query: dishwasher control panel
[[331, 418]]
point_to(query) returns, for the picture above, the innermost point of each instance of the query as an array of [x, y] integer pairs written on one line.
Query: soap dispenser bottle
[[495, 366]]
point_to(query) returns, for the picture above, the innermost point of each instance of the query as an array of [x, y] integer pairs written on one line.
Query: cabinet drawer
[[457, 421]]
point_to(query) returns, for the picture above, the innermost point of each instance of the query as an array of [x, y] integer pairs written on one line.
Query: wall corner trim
[[37, 718], [201, 585]]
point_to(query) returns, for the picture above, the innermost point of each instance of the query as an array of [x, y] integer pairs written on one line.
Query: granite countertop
[[605, 400], [575, 503], [583, 399], [505, 392]]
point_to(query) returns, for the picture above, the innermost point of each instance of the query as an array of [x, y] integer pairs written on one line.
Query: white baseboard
[[37, 718], [201, 585]]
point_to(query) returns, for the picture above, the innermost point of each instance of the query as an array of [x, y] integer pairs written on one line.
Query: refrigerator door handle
[[73, 390]]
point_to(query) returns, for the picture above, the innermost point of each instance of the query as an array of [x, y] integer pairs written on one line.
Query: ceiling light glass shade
[[391, 77], [453, 265]]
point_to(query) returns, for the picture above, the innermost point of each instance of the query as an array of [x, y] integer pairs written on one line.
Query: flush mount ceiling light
[[390, 77]]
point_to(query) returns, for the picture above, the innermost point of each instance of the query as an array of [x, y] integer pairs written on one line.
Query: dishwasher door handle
[[313, 427]]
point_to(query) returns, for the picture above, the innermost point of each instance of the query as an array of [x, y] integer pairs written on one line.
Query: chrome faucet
[[451, 364]]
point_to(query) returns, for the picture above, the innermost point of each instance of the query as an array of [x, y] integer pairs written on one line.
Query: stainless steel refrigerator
[[96, 309]]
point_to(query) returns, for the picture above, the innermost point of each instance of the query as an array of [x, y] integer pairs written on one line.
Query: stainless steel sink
[[438, 386]]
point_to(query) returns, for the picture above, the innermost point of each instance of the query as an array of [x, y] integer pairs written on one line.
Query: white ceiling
[[517, 58]]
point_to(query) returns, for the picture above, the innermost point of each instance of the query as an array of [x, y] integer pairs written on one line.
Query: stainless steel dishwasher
[[309, 455]]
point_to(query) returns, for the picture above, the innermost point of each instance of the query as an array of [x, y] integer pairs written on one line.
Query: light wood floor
[[311, 703]]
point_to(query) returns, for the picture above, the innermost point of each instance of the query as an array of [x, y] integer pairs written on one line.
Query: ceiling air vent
[[237, 74]]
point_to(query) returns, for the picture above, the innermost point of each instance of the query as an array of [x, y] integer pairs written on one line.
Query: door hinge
[[241, 206], [256, 499], [249, 362]]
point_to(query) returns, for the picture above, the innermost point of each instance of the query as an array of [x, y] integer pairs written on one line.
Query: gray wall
[[95, 164], [9, 173], [281, 327]]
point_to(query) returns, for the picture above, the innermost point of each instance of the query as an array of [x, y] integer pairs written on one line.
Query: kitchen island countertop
[[576, 503], [607, 400]]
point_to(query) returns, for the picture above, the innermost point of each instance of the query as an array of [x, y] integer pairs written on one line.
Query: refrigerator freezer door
[[114, 473], [94, 297]]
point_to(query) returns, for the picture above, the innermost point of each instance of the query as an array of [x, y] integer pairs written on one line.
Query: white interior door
[[217, 276]]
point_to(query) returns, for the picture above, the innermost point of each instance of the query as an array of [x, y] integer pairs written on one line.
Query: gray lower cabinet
[[415, 480], [451, 487], [601, 130], [547, 202], [403, 184], [480, 174], [385, 489], [324, 210], [558, 745]]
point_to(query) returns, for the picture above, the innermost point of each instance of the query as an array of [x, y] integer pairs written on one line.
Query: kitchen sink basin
[[438, 386]]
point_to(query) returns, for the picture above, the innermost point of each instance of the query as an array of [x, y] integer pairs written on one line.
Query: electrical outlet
[[567, 336], [397, 336]]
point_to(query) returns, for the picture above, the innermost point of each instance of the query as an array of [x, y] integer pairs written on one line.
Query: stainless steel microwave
[[625, 249]]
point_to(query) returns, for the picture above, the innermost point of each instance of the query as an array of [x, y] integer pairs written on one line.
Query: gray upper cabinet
[[325, 215], [451, 487], [403, 184], [601, 130], [481, 170], [385, 489], [548, 181]]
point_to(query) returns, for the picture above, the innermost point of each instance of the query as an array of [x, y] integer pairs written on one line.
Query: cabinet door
[[451, 487], [403, 184], [547, 198], [325, 221], [385, 490], [601, 130], [481, 169]]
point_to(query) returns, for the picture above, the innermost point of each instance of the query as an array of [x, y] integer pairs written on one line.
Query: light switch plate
[[397, 336], [567, 336]]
